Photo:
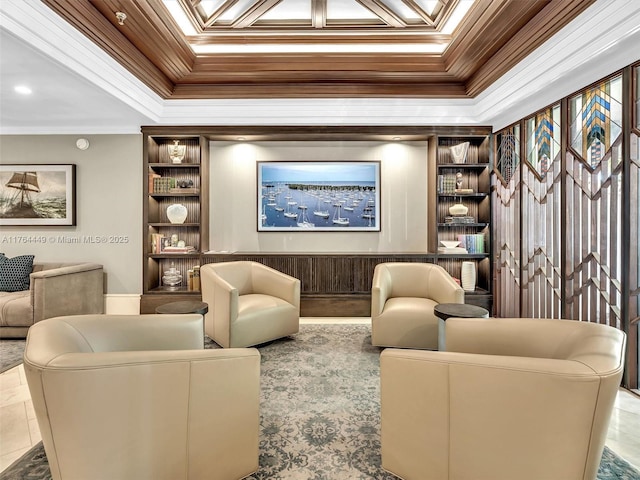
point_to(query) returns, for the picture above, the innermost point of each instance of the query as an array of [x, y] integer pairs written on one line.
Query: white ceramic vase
[[177, 213], [468, 276]]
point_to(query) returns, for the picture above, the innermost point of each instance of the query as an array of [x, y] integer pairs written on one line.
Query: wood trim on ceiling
[[152, 47]]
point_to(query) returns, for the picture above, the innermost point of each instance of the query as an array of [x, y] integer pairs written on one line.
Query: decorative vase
[[459, 152], [458, 210], [172, 277], [177, 213], [468, 276]]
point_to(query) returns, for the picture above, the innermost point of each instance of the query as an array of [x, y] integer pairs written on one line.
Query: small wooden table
[[180, 308], [455, 310]]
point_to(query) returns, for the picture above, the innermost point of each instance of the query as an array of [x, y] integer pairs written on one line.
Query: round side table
[[179, 308], [455, 310]]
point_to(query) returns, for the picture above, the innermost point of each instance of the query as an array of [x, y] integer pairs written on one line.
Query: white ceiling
[[78, 88]]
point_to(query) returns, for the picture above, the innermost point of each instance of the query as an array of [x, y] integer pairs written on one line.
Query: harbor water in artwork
[[317, 205]]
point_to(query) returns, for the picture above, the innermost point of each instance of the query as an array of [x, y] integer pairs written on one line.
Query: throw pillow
[[14, 272]]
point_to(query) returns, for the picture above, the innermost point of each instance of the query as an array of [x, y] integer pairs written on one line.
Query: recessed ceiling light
[[396, 138], [22, 90], [241, 139]]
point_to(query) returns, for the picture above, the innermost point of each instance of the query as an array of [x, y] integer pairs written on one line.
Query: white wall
[[108, 204], [233, 197]]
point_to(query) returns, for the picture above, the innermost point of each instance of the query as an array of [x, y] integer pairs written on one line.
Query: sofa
[[137, 397], [511, 398], [54, 289]]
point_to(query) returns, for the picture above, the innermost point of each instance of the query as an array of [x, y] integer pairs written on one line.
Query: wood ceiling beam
[[320, 90], [383, 12], [418, 9], [216, 14], [530, 36], [254, 13], [91, 22], [318, 13]]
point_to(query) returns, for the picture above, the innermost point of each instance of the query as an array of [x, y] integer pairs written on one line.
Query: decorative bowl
[[450, 243], [458, 210]]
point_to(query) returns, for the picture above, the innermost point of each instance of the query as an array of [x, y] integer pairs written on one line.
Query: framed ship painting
[[318, 196], [37, 194]]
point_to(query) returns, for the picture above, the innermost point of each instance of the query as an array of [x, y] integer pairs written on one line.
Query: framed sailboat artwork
[[37, 194], [318, 196]]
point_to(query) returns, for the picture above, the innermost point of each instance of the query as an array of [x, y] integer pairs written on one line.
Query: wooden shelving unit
[[193, 171], [464, 180]]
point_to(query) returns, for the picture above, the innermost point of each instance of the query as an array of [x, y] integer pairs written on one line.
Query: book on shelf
[[184, 191], [152, 177], [187, 249], [452, 250], [473, 243], [163, 184]]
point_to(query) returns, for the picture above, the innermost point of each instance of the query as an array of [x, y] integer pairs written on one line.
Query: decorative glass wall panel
[[594, 205], [634, 254], [541, 216], [506, 218]]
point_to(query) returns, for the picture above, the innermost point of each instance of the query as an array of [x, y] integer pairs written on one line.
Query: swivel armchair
[[402, 299], [510, 398], [133, 397], [249, 303]]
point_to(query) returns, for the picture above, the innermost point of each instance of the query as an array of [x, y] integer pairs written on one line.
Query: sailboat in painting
[[20, 204], [337, 219]]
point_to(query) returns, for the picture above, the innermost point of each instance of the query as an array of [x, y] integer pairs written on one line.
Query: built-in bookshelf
[[463, 210], [175, 176]]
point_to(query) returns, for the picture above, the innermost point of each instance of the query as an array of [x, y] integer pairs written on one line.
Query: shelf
[[463, 166], [173, 224], [174, 165], [181, 290], [463, 255], [465, 195], [159, 195], [160, 256], [463, 225]]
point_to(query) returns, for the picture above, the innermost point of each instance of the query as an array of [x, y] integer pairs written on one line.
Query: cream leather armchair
[[132, 397], [402, 299], [511, 398], [249, 303]]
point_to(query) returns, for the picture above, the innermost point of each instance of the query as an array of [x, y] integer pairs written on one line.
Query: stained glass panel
[[543, 139], [637, 77], [507, 152], [596, 120]]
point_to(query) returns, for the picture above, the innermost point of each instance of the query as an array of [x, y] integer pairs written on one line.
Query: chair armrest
[[380, 290], [69, 290], [269, 281]]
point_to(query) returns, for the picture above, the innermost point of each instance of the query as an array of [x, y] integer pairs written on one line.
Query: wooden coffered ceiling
[[228, 52]]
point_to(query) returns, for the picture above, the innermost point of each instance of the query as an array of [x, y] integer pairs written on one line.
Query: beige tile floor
[[19, 429]]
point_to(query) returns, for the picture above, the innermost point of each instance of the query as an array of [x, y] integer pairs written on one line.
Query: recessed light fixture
[[240, 139], [82, 143], [22, 90], [396, 138]]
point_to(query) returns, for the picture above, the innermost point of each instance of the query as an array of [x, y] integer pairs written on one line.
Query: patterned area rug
[[10, 353], [319, 412]]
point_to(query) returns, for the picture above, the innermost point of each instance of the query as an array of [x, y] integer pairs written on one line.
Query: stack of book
[[162, 184], [193, 278], [459, 220], [473, 243], [447, 183]]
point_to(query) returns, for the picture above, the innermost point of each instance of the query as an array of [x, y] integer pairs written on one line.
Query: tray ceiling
[[190, 49]]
